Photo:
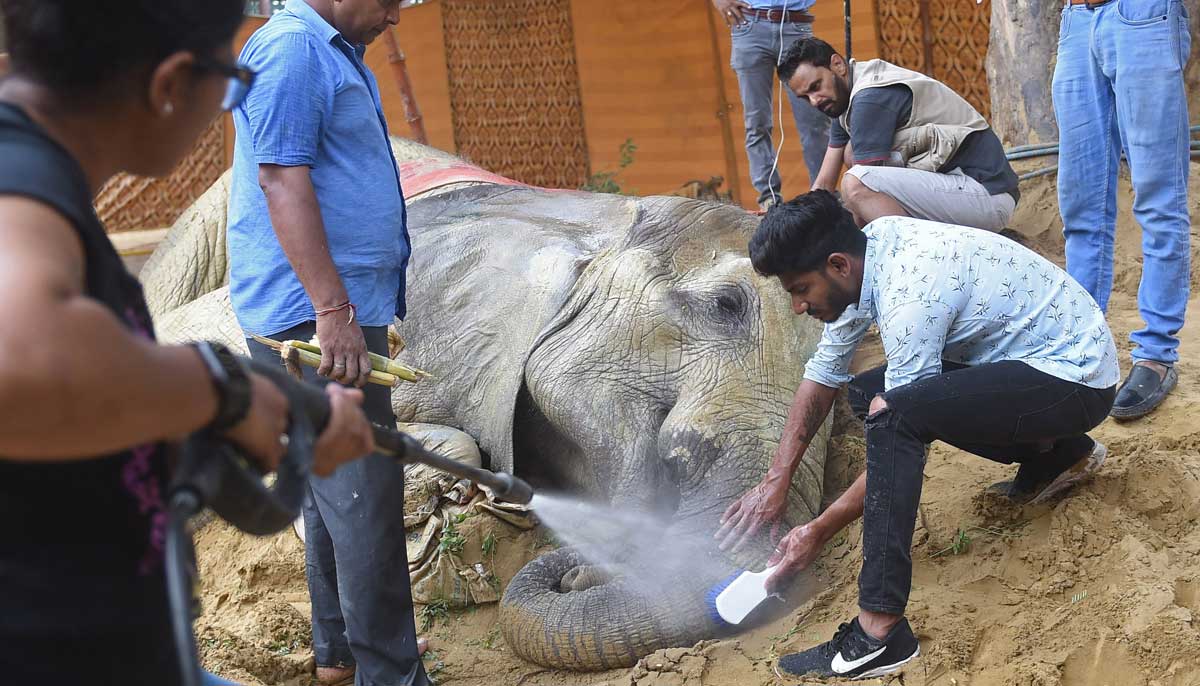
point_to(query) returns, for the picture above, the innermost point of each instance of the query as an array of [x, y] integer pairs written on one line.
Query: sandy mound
[[1102, 587]]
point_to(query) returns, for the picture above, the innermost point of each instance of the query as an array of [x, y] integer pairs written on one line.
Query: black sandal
[[1142, 391]]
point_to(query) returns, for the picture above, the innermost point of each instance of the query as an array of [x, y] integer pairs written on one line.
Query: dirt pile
[[1101, 587]]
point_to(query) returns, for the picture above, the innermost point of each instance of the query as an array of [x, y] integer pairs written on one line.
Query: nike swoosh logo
[[841, 666]]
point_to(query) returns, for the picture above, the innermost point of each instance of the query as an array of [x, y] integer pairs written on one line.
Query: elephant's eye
[[731, 302]]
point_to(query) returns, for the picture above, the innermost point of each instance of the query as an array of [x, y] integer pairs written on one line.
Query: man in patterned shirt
[[989, 347]]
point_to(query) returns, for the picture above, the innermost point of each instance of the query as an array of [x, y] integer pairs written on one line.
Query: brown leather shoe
[[335, 676]]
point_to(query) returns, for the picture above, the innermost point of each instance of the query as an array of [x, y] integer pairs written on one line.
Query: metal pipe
[[724, 107], [1032, 153], [1039, 172], [406, 449], [412, 113], [846, 19], [1027, 148], [1194, 154], [1054, 144]]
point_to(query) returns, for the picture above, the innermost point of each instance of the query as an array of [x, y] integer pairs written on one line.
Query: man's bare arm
[[831, 167], [766, 503], [296, 219]]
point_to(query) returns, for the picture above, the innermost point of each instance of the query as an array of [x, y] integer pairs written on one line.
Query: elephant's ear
[[192, 260], [492, 268], [687, 233]]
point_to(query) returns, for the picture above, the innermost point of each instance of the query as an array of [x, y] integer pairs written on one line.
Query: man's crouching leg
[[879, 641]]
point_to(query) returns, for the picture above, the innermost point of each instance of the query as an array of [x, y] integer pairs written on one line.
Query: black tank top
[[81, 541]]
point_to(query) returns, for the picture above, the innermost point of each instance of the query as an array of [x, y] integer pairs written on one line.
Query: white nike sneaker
[[852, 654]]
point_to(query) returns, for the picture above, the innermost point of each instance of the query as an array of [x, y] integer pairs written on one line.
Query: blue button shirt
[[938, 291], [778, 4], [314, 103]]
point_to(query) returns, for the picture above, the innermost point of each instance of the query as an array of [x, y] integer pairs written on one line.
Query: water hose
[[211, 473], [1022, 152]]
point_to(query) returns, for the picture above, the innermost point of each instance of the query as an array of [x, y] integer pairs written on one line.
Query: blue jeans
[[1119, 85], [355, 549], [754, 57]]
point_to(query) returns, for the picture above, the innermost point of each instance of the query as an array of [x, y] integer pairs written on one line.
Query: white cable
[[778, 150]]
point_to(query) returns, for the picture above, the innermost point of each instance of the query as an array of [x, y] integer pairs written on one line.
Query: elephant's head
[[662, 385]]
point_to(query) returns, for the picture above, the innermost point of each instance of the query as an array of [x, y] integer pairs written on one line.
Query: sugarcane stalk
[[311, 359], [396, 344], [378, 362]]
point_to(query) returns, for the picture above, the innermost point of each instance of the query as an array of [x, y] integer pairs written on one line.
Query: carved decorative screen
[[134, 202], [946, 39], [514, 89]]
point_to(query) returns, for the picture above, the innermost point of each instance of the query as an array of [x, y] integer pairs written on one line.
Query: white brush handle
[[743, 595]]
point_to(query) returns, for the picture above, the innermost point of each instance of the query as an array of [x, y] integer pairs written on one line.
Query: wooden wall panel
[[646, 73]]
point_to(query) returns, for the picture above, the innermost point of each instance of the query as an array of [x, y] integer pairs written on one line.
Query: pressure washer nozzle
[[512, 489]]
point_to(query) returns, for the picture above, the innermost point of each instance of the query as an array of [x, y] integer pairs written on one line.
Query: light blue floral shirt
[[938, 291]]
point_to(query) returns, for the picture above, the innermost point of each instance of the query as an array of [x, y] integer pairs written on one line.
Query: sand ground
[[1098, 588]]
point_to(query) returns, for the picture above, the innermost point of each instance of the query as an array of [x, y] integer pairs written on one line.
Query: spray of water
[[635, 546]]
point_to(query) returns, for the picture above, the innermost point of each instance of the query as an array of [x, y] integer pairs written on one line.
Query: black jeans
[[1004, 411], [357, 563]]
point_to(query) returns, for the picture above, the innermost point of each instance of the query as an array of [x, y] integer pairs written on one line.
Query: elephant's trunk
[[561, 612], [656, 595]]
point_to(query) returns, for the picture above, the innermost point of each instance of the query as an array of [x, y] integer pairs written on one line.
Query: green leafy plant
[[438, 608], [452, 540], [961, 542], [606, 181], [958, 545]]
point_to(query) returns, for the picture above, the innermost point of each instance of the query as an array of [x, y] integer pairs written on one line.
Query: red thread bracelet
[[344, 306]]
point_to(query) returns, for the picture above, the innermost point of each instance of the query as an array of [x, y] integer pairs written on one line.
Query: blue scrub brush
[[732, 600]]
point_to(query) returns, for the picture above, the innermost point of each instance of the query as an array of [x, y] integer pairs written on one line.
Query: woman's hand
[[348, 435], [261, 432]]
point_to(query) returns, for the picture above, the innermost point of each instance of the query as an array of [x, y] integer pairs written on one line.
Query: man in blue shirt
[[990, 348], [759, 31], [318, 244]]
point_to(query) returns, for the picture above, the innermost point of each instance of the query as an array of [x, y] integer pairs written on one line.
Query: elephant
[[618, 349]]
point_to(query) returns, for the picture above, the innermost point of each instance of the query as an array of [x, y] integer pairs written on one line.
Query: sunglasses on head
[[241, 78]]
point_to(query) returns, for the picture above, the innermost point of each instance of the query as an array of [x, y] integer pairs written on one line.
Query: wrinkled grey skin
[[619, 348]]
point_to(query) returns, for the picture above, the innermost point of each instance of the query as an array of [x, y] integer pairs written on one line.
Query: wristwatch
[[231, 381]]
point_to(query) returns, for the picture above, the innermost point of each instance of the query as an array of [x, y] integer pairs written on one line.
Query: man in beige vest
[[916, 148]]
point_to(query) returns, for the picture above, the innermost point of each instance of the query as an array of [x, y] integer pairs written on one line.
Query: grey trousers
[[754, 57], [357, 563]]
